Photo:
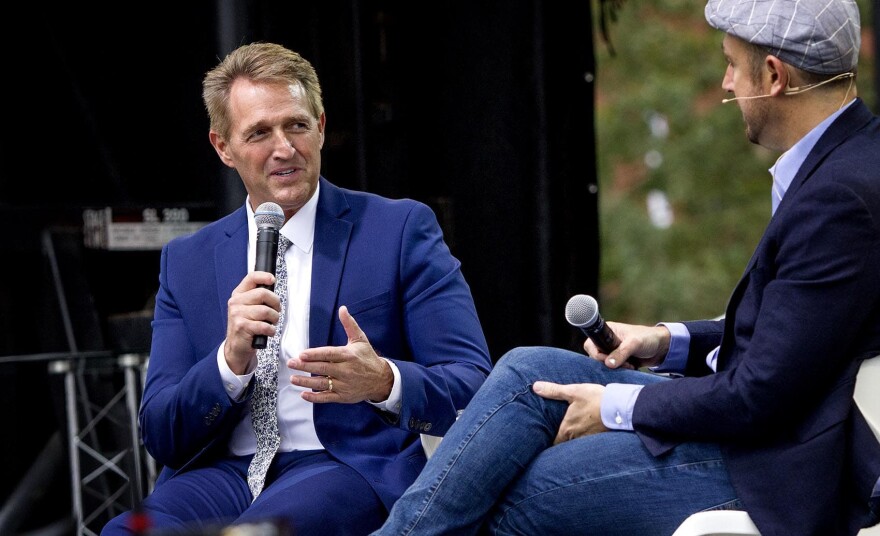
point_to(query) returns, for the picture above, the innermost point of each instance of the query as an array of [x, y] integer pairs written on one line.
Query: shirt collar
[[789, 162], [300, 229]]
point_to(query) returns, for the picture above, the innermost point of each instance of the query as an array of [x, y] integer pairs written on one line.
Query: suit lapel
[[230, 258], [332, 236], [851, 120]]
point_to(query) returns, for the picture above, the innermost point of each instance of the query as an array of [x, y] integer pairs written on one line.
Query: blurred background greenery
[[684, 196]]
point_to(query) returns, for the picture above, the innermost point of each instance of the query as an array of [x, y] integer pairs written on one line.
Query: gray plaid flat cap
[[819, 36]]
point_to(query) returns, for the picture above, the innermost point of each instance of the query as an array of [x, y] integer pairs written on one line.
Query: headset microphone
[[795, 90], [725, 101]]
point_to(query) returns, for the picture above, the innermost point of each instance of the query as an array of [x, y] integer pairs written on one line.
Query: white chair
[[430, 444], [718, 523], [736, 523]]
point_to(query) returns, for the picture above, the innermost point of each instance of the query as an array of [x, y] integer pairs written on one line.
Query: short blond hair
[[258, 62]]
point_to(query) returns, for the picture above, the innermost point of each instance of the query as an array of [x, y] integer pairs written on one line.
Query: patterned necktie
[[264, 404]]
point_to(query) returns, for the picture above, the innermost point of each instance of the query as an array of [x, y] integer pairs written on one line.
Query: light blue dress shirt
[[619, 399]]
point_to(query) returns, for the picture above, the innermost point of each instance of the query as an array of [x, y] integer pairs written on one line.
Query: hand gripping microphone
[[582, 312], [269, 218]]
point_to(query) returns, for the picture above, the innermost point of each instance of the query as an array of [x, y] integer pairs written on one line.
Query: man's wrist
[[392, 401], [386, 384], [665, 339]]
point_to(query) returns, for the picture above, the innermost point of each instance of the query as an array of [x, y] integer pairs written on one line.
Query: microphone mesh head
[[581, 310], [269, 215]]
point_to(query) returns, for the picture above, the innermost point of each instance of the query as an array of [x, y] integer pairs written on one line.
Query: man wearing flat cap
[[758, 413]]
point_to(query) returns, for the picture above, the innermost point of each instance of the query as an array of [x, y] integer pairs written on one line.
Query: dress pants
[[307, 492]]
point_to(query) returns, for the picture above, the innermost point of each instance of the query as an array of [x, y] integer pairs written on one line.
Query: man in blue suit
[[346, 441], [555, 443]]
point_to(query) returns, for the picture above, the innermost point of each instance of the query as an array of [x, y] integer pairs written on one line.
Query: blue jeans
[[498, 470]]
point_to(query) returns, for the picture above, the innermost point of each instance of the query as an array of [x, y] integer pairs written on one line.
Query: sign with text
[[149, 228]]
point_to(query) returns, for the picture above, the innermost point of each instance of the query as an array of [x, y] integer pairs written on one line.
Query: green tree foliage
[[663, 136]]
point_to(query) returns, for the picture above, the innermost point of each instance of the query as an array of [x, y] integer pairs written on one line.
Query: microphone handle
[[602, 336], [267, 253]]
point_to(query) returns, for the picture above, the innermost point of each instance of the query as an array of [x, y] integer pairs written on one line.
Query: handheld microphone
[[582, 312], [269, 218]]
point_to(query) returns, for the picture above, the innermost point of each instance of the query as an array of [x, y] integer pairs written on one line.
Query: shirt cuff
[[234, 384], [617, 405], [391, 405], [712, 359], [679, 345]]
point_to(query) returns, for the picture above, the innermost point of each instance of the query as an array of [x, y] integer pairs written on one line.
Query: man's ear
[[777, 74], [220, 145]]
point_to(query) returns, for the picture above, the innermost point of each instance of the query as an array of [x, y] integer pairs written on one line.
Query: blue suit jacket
[[386, 260], [797, 326]]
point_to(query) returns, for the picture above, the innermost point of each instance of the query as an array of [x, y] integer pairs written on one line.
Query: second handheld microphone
[[582, 312]]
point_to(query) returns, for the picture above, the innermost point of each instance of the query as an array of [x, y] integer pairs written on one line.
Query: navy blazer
[[802, 318], [384, 259]]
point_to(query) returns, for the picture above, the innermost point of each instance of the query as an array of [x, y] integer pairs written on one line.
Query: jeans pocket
[[735, 504]]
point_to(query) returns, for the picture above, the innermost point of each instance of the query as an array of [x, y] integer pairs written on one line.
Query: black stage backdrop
[[483, 110]]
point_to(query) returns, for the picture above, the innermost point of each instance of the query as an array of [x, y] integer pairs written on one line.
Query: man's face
[[740, 80], [274, 143]]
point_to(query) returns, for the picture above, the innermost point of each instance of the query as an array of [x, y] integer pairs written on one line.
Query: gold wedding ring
[[329, 384]]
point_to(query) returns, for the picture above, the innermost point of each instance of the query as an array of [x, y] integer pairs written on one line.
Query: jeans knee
[[520, 356], [525, 361], [540, 358]]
